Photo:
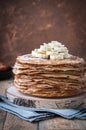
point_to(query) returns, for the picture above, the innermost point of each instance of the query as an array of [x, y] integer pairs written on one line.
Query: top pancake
[[29, 59]]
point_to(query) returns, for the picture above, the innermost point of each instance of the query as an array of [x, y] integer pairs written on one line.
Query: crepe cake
[[50, 71]]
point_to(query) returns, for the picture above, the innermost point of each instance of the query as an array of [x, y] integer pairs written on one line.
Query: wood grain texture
[[14, 123], [2, 119], [62, 124], [25, 24]]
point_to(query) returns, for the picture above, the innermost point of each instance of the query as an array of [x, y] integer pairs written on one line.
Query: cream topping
[[53, 50]]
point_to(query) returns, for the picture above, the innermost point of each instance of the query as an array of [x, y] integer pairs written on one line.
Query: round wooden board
[[37, 102]]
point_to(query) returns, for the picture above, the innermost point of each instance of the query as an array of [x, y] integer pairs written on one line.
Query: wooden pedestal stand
[[37, 102]]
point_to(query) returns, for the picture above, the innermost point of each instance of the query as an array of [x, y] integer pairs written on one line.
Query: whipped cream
[[52, 50]]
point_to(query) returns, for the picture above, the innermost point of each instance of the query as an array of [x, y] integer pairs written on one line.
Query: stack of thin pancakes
[[49, 78]]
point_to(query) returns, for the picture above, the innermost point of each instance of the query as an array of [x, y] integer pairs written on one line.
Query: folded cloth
[[37, 114]]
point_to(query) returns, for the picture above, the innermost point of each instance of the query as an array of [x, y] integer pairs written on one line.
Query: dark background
[[25, 24]]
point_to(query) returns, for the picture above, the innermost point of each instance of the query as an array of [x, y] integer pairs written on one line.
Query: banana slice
[[39, 54], [54, 57]]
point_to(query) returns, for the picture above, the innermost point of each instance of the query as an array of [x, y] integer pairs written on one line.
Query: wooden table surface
[[11, 122]]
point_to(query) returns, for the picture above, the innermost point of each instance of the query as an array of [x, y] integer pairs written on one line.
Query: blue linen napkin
[[37, 114]]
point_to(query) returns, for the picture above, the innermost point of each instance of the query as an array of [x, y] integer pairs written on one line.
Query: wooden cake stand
[[37, 102]]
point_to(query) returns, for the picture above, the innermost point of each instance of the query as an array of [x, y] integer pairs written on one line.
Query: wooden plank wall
[[25, 24]]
